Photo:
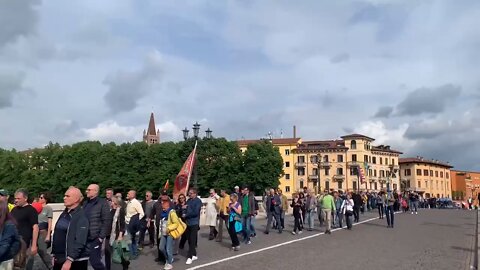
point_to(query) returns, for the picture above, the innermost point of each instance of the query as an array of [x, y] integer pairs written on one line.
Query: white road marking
[[272, 247]]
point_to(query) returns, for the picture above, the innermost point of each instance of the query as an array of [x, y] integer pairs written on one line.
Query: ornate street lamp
[[196, 129], [208, 133], [185, 133]]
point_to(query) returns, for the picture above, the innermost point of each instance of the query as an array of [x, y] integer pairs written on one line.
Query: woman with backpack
[[118, 228], [233, 219], [347, 209], [9, 238], [171, 227]]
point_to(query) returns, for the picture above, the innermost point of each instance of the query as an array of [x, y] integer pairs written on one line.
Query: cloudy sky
[[403, 72]]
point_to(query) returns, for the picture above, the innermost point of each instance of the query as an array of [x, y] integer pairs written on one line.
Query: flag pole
[[193, 162]]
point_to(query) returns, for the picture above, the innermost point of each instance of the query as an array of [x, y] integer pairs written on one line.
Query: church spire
[[151, 126]]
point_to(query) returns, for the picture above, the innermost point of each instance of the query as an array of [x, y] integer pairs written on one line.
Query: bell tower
[[150, 136]]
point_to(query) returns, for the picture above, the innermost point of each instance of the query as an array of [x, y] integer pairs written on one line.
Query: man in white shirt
[[132, 219]]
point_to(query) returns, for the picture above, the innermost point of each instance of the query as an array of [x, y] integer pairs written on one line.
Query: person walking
[[181, 212], [310, 205], [358, 201], [248, 211], [381, 199], [146, 224], [168, 222], [192, 218], [45, 230], [118, 227], [347, 209], [338, 213], [69, 244], [413, 199], [223, 211], [98, 214], [211, 214], [328, 207], [235, 211], [301, 196], [297, 214], [390, 209], [284, 207], [273, 206], [134, 214], [27, 223], [9, 238]]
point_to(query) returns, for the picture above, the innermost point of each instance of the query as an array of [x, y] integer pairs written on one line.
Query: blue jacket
[[192, 216], [7, 239]]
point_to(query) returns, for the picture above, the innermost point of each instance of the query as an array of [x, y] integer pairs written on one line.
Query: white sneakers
[[293, 233], [167, 266], [190, 260]]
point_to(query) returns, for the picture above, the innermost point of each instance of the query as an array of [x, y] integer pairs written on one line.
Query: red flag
[[183, 178], [166, 185]]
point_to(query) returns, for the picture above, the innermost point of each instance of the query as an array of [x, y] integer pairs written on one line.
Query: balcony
[[338, 177], [325, 164], [372, 179], [313, 177], [300, 164], [382, 180], [353, 164]]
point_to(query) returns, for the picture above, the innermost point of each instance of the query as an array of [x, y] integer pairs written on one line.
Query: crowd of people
[[97, 231]]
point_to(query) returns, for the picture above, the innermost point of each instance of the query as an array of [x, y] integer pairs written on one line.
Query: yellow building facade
[[428, 177], [335, 164], [286, 147]]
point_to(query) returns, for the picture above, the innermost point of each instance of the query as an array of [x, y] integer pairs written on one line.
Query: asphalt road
[[433, 239]]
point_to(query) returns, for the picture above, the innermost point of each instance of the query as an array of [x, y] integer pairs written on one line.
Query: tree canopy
[[220, 165]]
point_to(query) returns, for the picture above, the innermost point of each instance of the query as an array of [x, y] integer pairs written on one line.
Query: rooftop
[[357, 136], [424, 161], [281, 141]]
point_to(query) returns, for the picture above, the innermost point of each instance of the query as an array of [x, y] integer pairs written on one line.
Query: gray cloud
[[343, 57], [17, 18], [9, 86], [126, 88], [428, 100], [384, 112]]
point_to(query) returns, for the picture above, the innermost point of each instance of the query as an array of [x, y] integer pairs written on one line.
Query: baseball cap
[[3, 192]]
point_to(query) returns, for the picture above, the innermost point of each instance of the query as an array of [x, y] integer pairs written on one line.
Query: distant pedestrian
[[413, 199], [328, 207], [284, 207], [390, 209], [301, 196], [235, 210], [223, 211], [69, 244], [211, 214], [146, 224], [192, 218], [297, 214], [339, 213], [134, 214], [358, 201], [381, 198], [310, 205], [248, 211], [347, 209], [273, 208]]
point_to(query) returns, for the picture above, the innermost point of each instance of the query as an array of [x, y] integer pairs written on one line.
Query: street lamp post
[[208, 134], [317, 159], [185, 133], [196, 130]]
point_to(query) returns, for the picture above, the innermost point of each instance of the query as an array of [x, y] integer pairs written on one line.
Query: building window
[[301, 171], [381, 160], [436, 173], [340, 158], [340, 185], [374, 160], [441, 174], [327, 185], [287, 176], [382, 173], [446, 174], [426, 184], [419, 185], [287, 164], [425, 172], [393, 161], [354, 145], [301, 184], [436, 184], [408, 172], [386, 161], [287, 188], [327, 171], [375, 185], [301, 159], [315, 171], [365, 158], [374, 173], [287, 152], [431, 173], [354, 185], [314, 159], [339, 171], [354, 157], [325, 158], [419, 172]]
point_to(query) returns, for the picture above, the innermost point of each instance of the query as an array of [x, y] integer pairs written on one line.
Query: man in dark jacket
[[274, 208], [248, 211], [357, 203], [69, 245], [192, 218], [98, 214]]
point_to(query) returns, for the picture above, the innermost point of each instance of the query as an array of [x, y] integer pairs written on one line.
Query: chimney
[[294, 131]]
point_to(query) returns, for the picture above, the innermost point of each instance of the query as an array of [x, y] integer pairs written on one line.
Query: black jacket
[[99, 217], [357, 200], [76, 240]]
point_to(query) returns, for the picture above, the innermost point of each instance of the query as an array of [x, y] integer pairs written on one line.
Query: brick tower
[[151, 136]]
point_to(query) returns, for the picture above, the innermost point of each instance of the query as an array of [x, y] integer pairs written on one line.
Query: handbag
[[175, 234], [120, 251]]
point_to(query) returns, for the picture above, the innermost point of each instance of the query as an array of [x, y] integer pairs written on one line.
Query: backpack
[[19, 248]]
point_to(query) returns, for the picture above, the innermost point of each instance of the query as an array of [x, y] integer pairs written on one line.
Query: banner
[[182, 180]]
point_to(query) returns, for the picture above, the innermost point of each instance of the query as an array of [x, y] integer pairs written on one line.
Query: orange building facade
[[465, 184]]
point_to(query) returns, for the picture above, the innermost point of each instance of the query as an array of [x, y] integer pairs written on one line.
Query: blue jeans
[[413, 205], [310, 219], [390, 215], [166, 247], [339, 219], [246, 223], [252, 225], [133, 228]]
